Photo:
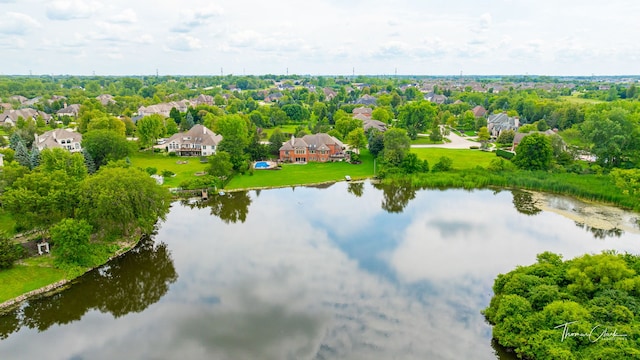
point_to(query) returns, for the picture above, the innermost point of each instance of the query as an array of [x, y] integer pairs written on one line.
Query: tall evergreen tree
[[22, 155], [88, 162], [34, 156], [14, 140]]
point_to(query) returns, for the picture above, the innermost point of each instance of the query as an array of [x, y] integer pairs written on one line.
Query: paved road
[[457, 142]]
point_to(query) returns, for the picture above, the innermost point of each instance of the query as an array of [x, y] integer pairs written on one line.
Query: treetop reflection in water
[[127, 284], [311, 273]]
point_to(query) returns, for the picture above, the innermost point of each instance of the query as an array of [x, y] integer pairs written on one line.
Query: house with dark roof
[[59, 138], [497, 123], [197, 141], [319, 147], [366, 99]]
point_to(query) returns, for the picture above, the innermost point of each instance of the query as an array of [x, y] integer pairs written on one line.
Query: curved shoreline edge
[[62, 284]]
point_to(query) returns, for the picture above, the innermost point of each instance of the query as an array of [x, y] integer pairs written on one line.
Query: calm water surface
[[348, 271]]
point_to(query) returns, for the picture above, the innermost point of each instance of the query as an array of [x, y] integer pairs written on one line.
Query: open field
[[162, 161], [283, 128], [462, 158], [424, 140], [578, 100], [36, 272], [296, 174]]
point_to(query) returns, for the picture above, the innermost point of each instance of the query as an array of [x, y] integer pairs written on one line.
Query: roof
[[320, 141], [479, 111], [24, 113], [198, 134], [105, 99], [362, 110], [50, 139], [367, 100], [72, 109], [375, 124]]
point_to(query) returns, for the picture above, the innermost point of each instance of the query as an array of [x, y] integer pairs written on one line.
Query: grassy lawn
[[424, 140], [462, 158], [291, 129], [578, 100], [35, 273], [295, 174], [162, 161], [7, 224]]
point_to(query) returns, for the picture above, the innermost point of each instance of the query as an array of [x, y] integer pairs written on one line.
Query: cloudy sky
[[117, 37]]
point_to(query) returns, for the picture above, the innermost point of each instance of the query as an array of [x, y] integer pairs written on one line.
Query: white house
[[59, 138], [1, 160], [199, 141]]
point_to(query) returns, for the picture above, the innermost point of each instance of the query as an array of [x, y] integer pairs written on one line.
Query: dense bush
[[505, 154], [584, 308], [8, 252]]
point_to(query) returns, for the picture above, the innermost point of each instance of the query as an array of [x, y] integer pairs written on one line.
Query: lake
[[342, 271]]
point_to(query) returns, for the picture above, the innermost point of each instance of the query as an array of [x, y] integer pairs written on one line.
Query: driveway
[[457, 142]]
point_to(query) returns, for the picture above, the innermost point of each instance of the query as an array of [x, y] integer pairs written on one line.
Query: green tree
[[506, 137], [344, 125], [534, 153], [187, 122], [614, 137], [171, 127], [356, 139], [108, 123], [382, 114], [436, 134], [416, 117], [444, 164], [150, 129], [70, 240], [376, 142], [396, 146], [234, 131], [276, 140], [105, 145], [119, 200], [34, 157], [483, 136], [22, 155], [8, 253], [296, 112], [220, 165], [39, 199], [88, 162], [73, 164]]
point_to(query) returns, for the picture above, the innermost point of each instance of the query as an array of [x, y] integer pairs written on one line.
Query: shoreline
[[582, 211], [63, 284]]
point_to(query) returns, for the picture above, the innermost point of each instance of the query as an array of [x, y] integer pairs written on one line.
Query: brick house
[[317, 148]]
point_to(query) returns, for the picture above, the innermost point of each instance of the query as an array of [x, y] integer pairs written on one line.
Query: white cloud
[[485, 21], [191, 19], [127, 16], [72, 9], [183, 43], [15, 23]]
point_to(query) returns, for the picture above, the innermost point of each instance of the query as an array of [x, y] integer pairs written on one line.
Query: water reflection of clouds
[[281, 285]]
